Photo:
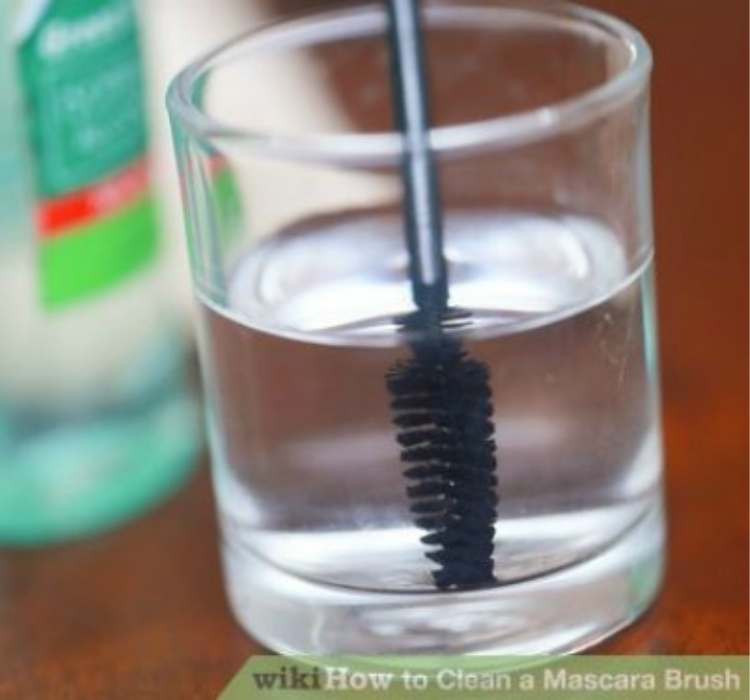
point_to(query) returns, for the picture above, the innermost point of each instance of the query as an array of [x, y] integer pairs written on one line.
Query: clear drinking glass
[[291, 181]]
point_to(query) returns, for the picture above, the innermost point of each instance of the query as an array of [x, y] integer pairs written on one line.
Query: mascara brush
[[440, 397]]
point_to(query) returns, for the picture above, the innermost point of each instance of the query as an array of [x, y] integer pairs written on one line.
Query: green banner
[[93, 257], [424, 678]]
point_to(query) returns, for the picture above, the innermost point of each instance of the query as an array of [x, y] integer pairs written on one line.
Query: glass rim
[[505, 131]]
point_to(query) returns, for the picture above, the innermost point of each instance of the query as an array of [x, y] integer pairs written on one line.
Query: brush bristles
[[442, 405]]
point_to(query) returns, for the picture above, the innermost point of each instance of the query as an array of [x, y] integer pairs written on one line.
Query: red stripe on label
[[55, 216], [217, 163]]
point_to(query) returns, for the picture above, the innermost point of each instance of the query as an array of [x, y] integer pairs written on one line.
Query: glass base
[[559, 613]]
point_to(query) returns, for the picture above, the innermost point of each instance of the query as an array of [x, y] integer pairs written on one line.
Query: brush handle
[[423, 214]]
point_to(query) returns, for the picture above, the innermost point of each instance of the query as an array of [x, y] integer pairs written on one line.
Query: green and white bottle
[[96, 422]]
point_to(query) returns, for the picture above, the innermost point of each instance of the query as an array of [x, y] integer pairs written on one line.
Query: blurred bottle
[[95, 419]]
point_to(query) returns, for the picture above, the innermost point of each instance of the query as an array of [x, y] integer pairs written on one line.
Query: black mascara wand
[[441, 399]]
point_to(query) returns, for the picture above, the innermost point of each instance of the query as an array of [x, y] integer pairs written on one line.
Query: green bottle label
[[82, 80]]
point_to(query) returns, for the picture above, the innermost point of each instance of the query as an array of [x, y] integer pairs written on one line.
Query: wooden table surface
[[140, 613]]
